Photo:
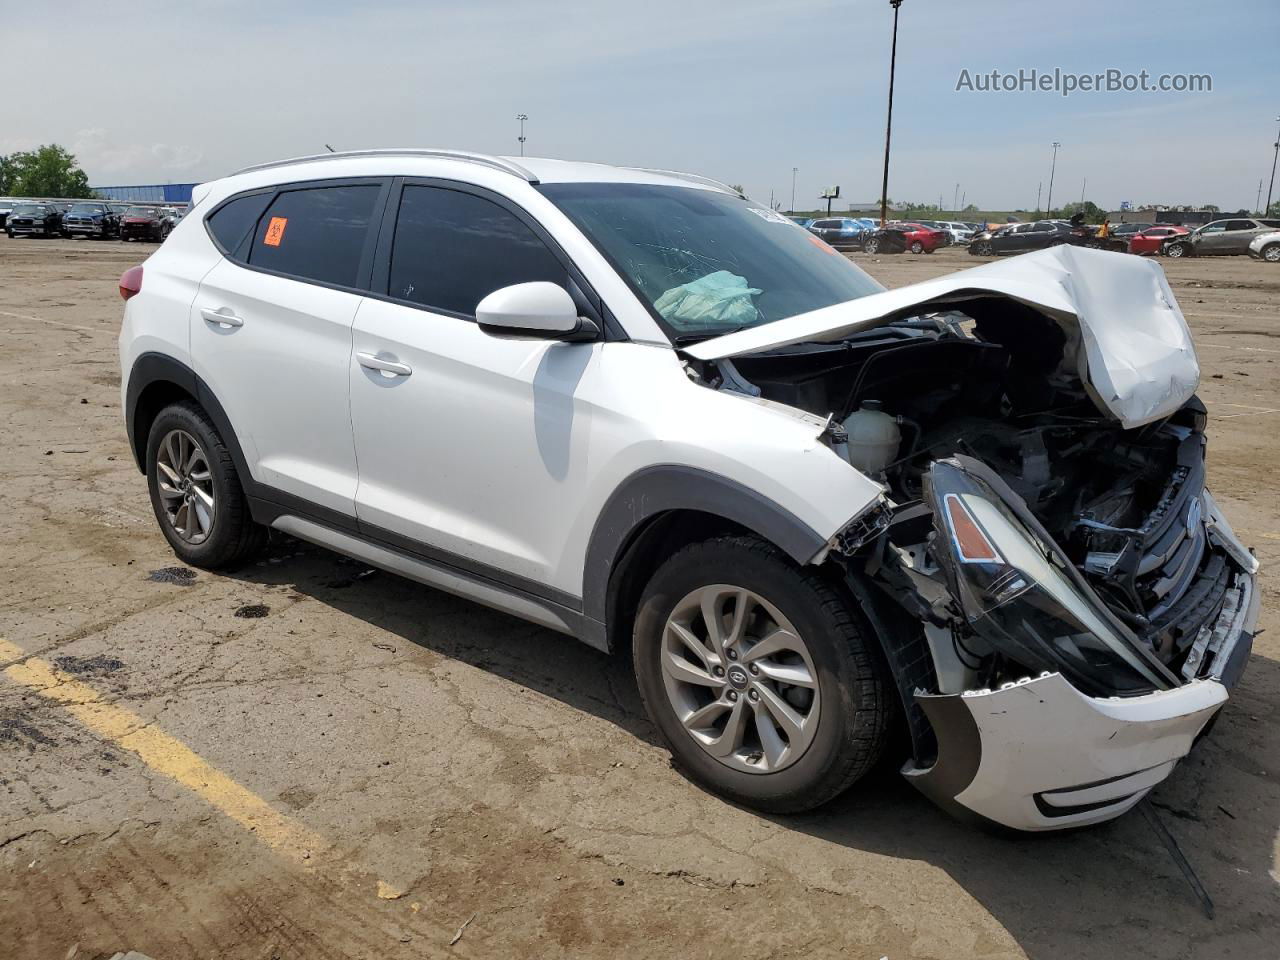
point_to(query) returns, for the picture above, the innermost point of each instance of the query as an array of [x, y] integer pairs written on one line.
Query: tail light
[[131, 282]]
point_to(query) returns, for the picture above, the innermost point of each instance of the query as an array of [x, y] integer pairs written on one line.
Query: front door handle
[[223, 316], [391, 367]]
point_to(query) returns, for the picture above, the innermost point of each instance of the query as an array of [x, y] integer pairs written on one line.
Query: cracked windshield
[[708, 263]]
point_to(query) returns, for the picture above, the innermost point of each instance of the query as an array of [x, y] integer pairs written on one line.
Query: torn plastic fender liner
[[1134, 351]]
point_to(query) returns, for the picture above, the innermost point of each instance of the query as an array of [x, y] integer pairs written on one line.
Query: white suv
[[634, 407]]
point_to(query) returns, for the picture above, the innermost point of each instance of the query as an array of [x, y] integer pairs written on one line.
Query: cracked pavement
[[477, 765]]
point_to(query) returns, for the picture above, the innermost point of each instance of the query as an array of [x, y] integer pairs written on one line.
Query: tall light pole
[[1271, 187], [1048, 204], [954, 197], [522, 117], [888, 126], [794, 171]]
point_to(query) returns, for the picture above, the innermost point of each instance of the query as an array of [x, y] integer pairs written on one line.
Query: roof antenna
[[1175, 851], [330, 149]]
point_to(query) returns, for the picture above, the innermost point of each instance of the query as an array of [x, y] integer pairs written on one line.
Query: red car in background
[[1153, 239], [922, 239]]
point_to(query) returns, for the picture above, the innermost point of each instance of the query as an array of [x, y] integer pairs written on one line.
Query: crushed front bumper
[[1040, 755]]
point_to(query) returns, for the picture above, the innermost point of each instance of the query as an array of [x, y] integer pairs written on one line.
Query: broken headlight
[[1016, 592]]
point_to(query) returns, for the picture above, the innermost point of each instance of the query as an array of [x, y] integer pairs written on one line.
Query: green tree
[[8, 172], [1092, 212], [47, 171], [1274, 209]]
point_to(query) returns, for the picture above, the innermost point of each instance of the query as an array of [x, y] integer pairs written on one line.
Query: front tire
[[763, 684], [1177, 250], [1271, 253], [871, 246], [196, 493], [917, 246]]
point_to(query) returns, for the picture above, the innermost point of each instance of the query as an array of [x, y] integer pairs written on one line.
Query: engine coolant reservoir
[[874, 437]]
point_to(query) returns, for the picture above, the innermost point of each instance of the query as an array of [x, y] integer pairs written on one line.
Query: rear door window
[[452, 249], [316, 233]]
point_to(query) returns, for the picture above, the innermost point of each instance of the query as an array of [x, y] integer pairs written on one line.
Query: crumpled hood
[[1134, 349]]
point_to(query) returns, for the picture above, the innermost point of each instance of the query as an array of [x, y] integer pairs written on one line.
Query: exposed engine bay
[[986, 406]]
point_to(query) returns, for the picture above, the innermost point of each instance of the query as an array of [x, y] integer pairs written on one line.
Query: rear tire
[[917, 246], [718, 728], [196, 493]]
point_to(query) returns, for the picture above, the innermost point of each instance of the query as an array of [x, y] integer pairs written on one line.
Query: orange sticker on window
[[275, 231]]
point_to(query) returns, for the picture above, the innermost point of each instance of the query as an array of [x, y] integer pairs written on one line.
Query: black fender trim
[[959, 752], [663, 488], [152, 368]]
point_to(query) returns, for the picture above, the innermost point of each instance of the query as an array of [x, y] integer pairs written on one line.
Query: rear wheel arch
[[157, 380]]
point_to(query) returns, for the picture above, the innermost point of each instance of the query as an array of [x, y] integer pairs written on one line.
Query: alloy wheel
[[1174, 250], [1272, 253], [185, 483], [740, 679]]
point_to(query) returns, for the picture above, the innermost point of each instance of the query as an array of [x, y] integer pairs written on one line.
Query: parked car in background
[[903, 237], [1266, 246], [91, 219], [6, 205], [918, 237], [1220, 238], [1152, 239], [34, 220], [801, 221], [841, 232], [144, 223], [1020, 238], [947, 238], [172, 215], [960, 232]]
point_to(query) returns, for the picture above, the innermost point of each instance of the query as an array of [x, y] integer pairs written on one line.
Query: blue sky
[[742, 91]]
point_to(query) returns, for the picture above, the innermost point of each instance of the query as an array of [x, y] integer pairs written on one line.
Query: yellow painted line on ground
[[161, 752]]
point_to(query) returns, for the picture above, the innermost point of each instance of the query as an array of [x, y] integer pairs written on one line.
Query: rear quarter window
[[233, 221]]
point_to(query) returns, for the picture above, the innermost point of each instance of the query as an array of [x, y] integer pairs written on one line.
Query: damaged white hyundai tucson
[[634, 407]]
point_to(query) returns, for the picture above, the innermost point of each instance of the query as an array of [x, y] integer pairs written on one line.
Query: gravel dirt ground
[[302, 760]]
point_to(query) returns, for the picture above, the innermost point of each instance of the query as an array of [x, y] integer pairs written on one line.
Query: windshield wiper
[[688, 339]]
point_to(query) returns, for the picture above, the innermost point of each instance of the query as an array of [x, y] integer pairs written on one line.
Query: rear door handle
[[392, 367], [223, 316]]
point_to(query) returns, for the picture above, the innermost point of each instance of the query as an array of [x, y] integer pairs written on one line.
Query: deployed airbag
[[715, 300]]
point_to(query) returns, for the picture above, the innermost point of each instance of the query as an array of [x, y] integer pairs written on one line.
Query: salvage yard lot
[[307, 760]]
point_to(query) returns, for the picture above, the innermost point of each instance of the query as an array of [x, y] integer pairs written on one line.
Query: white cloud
[[108, 159]]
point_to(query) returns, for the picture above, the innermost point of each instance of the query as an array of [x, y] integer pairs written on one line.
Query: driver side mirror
[[539, 309]]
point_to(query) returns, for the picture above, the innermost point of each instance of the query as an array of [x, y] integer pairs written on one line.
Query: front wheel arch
[[647, 504]]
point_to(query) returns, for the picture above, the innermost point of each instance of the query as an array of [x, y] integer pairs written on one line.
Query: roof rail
[[692, 178], [484, 160]]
